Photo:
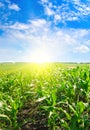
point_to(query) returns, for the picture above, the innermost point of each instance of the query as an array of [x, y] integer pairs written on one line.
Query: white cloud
[[88, 42], [57, 17], [14, 7], [6, 8], [72, 18], [38, 22], [50, 5], [44, 1], [65, 12], [49, 11], [10, 55], [18, 26], [76, 1], [1, 4], [83, 49], [38, 35], [8, 1], [81, 33]]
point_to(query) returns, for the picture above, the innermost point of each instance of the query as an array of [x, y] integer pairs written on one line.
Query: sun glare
[[40, 57]]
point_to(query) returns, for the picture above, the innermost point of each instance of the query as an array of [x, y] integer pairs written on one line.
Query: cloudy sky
[[59, 29]]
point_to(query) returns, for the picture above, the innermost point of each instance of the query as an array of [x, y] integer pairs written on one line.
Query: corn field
[[50, 96]]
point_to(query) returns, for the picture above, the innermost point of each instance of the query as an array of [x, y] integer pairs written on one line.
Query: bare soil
[[31, 117]]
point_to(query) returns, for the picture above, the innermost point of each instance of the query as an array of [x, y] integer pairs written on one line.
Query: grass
[[49, 96]]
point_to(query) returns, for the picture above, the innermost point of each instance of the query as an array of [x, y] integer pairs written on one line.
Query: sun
[[40, 57]]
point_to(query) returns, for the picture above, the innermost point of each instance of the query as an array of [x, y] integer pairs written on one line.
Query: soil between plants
[[31, 117]]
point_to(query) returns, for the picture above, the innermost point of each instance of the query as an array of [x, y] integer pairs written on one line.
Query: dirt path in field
[[31, 117]]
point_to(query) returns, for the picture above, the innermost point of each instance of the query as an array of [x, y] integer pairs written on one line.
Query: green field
[[51, 96]]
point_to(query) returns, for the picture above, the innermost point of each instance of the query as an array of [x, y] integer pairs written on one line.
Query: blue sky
[[58, 28]]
